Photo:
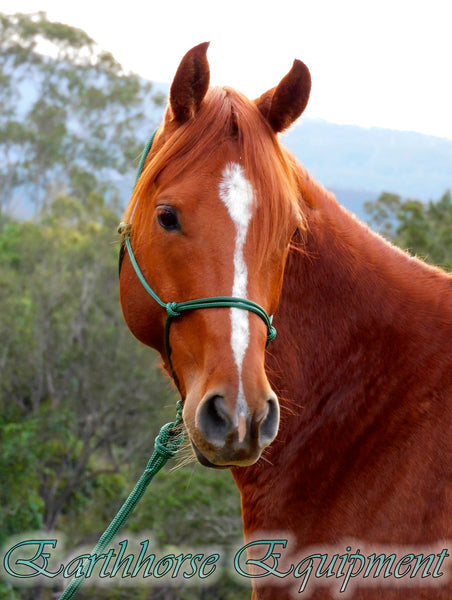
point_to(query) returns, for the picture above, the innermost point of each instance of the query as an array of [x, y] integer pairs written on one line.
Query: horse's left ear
[[282, 105], [190, 84]]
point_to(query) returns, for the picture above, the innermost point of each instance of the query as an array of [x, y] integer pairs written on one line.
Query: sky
[[385, 63]]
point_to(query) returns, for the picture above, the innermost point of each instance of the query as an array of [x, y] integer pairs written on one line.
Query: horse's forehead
[[219, 179]]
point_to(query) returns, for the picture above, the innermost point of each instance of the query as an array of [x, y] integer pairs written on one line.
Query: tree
[[68, 113], [423, 229]]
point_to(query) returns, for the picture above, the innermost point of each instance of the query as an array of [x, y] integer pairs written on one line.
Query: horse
[[338, 430]]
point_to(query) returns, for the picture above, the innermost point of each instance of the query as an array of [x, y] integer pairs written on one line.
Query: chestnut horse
[[338, 432]]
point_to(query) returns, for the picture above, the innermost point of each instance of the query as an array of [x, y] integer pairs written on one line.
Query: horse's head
[[213, 214]]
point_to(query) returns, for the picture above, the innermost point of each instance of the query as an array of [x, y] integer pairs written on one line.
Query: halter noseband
[[175, 309]]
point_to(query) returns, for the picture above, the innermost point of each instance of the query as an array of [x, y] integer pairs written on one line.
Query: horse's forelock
[[226, 116]]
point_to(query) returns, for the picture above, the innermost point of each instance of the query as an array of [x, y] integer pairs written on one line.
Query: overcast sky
[[385, 63]]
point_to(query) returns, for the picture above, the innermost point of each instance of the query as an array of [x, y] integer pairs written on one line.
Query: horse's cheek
[[142, 315]]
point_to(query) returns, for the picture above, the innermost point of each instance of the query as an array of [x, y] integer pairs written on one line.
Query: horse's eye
[[168, 218]]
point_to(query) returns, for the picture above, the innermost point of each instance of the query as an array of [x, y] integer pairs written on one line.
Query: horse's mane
[[224, 116]]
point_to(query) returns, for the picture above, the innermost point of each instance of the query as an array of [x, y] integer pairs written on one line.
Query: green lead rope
[[166, 446]]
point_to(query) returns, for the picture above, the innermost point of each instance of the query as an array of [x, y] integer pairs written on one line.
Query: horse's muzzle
[[228, 436]]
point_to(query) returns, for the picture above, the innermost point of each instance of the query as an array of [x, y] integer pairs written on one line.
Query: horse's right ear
[[190, 84], [282, 105]]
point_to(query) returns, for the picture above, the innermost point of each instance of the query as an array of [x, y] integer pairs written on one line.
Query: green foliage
[[208, 499], [423, 229], [19, 470], [7, 592]]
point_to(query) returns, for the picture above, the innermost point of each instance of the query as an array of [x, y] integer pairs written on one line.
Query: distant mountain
[[359, 163]]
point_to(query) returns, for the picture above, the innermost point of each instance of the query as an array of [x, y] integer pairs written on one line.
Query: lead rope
[[166, 446]]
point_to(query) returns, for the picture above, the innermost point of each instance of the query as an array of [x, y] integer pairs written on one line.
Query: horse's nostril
[[269, 425], [214, 421]]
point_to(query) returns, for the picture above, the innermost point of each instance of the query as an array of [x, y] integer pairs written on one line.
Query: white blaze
[[237, 194]]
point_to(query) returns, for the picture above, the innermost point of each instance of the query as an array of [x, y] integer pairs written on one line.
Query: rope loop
[[172, 309]]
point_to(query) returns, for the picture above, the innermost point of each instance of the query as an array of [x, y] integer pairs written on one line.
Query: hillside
[[359, 163]]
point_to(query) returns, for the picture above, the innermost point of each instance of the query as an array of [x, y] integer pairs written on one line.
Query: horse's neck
[[362, 368], [358, 320]]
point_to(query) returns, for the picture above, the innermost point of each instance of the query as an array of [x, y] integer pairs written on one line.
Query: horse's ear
[[190, 84], [282, 105]]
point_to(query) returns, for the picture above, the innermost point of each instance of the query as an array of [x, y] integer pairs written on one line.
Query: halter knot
[[271, 334], [172, 309]]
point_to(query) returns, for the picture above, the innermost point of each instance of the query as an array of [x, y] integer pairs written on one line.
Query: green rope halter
[[175, 309]]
